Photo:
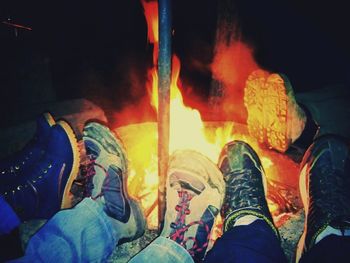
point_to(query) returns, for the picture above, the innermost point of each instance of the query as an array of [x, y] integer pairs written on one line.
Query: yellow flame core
[[186, 126]]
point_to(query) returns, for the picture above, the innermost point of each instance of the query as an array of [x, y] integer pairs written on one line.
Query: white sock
[[331, 231], [246, 220]]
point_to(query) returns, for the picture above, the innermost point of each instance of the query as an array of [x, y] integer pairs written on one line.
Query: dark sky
[[106, 41]]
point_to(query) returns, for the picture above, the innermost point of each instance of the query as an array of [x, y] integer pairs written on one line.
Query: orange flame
[[231, 66], [187, 130], [151, 13], [186, 126]]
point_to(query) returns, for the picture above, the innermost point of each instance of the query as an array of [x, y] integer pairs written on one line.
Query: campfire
[[189, 131]]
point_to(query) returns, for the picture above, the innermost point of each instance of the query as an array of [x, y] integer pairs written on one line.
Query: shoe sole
[[267, 107], [140, 224], [107, 139], [67, 196], [49, 119]]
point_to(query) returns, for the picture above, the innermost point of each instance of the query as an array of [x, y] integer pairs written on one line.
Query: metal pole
[[164, 71]]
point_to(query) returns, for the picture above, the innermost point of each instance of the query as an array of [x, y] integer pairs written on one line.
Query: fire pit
[[179, 126], [140, 141]]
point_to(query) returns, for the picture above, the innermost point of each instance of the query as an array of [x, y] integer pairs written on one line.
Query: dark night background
[[98, 49]]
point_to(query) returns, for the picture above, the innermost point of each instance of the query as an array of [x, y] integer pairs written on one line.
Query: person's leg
[[252, 242], [34, 182], [81, 234], [195, 192], [324, 188], [249, 231], [163, 249], [10, 242], [90, 231], [8, 218]]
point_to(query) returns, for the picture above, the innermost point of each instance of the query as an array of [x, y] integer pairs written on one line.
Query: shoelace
[[91, 172], [242, 182], [180, 227], [83, 185]]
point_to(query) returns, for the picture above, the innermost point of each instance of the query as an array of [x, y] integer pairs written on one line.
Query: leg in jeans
[[163, 249], [324, 188], [195, 192], [249, 231], [90, 231], [8, 218], [81, 234], [254, 242], [34, 182], [10, 242]]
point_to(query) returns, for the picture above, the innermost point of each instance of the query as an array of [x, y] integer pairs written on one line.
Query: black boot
[[245, 185], [324, 189]]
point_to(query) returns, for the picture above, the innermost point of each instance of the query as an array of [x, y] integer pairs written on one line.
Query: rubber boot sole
[[67, 196], [267, 107]]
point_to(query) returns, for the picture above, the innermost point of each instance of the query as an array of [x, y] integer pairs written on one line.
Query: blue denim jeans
[[81, 234], [163, 249], [85, 234], [8, 218], [255, 242]]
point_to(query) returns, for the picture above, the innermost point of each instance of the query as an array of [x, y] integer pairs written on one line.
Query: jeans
[[255, 242], [163, 249], [251, 243], [8, 218], [85, 234], [81, 234]]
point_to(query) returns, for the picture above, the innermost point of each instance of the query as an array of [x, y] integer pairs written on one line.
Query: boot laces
[[242, 182], [84, 181], [180, 227]]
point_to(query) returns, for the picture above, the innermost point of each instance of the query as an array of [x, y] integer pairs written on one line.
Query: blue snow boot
[[21, 161], [44, 188]]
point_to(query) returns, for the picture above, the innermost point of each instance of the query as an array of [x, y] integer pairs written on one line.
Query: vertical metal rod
[[164, 71]]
